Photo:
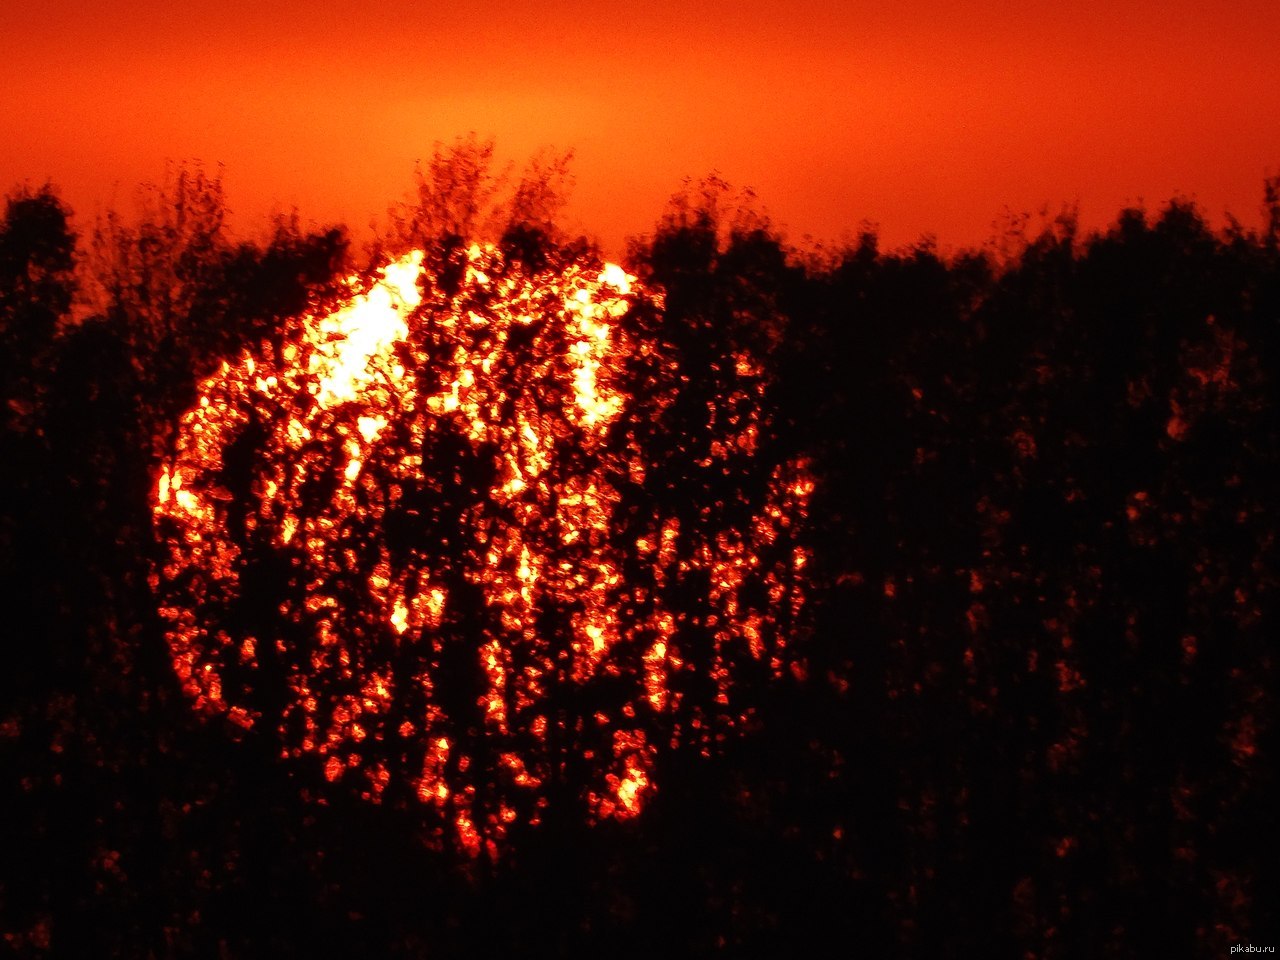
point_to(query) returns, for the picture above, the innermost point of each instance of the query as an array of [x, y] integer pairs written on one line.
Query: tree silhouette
[[940, 591]]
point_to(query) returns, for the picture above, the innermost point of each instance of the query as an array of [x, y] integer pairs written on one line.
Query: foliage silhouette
[[1033, 708]]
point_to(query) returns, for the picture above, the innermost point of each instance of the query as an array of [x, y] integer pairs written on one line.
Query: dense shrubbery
[[1036, 711]]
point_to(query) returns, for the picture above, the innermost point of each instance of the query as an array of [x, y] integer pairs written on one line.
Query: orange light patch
[[442, 476]]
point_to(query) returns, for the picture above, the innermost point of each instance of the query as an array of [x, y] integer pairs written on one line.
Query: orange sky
[[921, 115]]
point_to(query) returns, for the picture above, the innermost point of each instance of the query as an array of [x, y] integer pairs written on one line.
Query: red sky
[[920, 115]]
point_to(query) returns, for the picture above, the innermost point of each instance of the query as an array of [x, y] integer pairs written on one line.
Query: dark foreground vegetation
[[1037, 711]]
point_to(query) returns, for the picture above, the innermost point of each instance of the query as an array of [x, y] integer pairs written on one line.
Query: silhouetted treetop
[[740, 601]]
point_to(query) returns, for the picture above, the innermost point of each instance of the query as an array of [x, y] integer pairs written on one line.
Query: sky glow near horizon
[[924, 117]]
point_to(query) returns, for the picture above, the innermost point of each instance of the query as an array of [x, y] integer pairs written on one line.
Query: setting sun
[[673, 479]]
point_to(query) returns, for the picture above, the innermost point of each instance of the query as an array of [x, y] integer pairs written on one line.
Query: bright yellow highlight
[[371, 427]]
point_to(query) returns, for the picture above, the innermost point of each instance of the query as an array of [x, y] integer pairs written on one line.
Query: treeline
[[1035, 710]]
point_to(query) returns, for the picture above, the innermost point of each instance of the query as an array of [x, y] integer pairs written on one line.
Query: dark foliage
[[1038, 714]]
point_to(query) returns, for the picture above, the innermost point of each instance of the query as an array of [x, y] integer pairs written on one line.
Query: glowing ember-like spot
[[444, 496], [366, 328]]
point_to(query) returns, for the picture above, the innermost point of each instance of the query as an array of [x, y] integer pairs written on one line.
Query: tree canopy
[[963, 570]]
